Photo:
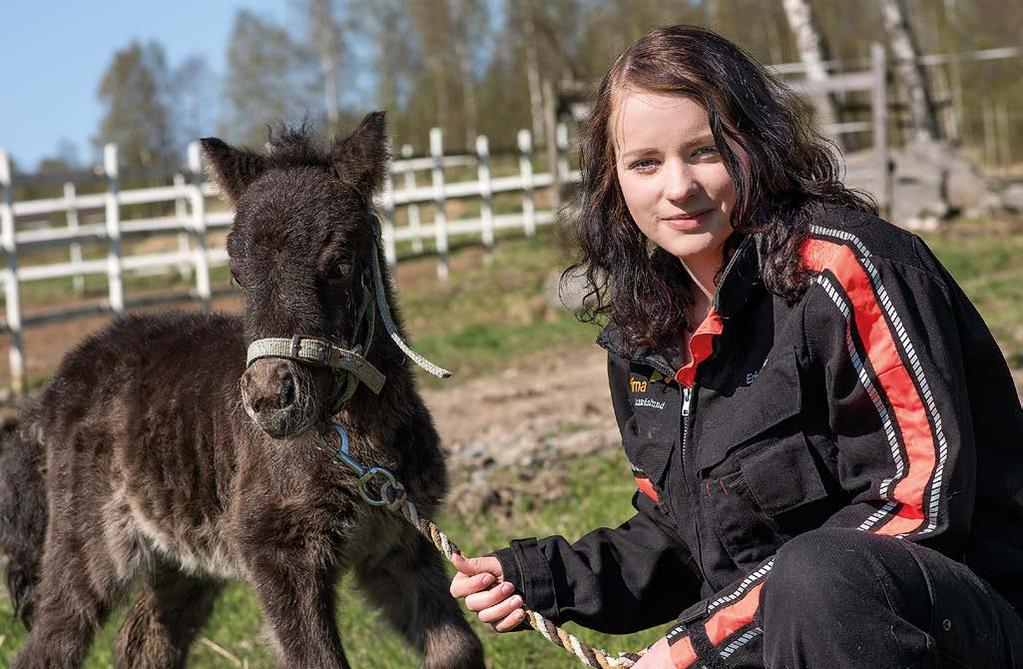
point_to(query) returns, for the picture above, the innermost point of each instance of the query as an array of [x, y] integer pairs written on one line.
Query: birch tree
[[813, 52], [911, 73], [324, 30]]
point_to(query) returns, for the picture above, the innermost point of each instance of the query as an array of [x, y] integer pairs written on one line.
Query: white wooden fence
[[192, 223]]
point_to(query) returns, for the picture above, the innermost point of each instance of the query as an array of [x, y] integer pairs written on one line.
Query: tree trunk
[[468, 94], [813, 52], [533, 73], [911, 72]]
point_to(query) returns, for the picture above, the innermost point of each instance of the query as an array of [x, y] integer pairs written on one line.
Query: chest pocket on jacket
[[764, 484]]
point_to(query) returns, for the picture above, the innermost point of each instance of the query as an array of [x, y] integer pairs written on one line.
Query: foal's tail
[[22, 512]]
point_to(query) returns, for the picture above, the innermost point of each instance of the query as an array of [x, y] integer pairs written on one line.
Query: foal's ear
[[360, 159], [232, 169]]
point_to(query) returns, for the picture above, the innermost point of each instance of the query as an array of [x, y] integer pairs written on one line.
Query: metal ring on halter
[[390, 483], [395, 495]]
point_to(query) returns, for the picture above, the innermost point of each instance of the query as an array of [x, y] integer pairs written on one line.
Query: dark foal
[[147, 462]]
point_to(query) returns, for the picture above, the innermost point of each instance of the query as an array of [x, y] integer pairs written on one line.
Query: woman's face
[[672, 176]]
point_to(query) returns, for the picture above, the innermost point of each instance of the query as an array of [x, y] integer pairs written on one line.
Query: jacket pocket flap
[[783, 476], [752, 412]]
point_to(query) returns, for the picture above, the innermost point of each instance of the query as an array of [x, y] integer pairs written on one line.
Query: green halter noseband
[[350, 366]]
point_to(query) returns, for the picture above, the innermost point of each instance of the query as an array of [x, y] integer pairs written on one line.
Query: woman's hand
[[498, 606], [658, 657]]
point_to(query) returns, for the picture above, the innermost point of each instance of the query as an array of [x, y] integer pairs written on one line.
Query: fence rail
[[192, 223]]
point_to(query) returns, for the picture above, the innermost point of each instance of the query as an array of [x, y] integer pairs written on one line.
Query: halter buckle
[[324, 350]]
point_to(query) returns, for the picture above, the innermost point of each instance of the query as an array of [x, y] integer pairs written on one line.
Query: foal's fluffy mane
[[295, 145]]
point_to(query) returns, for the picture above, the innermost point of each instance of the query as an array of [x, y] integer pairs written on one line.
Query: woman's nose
[[681, 184]]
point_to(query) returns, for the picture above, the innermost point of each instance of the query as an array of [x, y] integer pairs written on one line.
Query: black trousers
[[843, 599]]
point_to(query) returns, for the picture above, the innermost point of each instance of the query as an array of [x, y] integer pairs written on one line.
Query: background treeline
[[485, 66]]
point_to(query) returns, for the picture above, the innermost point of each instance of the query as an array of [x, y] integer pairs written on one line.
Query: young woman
[[826, 440]]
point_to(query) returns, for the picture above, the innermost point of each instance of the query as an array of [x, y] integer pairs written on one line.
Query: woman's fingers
[[501, 610], [499, 606], [462, 585], [479, 601], [511, 621], [474, 566]]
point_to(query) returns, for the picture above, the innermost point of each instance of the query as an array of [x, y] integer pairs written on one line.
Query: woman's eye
[[704, 151], [644, 165]]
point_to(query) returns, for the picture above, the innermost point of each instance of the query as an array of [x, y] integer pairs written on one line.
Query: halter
[[350, 366]]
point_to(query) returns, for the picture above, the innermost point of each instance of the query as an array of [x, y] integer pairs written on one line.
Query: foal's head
[[300, 250]]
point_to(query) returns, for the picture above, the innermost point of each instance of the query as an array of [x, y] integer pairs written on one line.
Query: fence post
[[387, 232], [115, 286], [486, 194], [440, 219], [561, 138], [201, 259], [181, 214], [1004, 139], [78, 280], [413, 209], [525, 142], [12, 290], [879, 102]]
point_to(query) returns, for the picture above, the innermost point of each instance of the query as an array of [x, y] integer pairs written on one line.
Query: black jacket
[[878, 401]]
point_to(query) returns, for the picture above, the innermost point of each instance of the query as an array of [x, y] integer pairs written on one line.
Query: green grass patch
[[485, 315], [989, 268]]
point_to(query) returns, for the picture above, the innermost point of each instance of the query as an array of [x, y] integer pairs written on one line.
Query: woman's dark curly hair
[[782, 167]]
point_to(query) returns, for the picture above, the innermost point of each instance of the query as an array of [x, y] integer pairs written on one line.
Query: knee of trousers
[[823, 572]]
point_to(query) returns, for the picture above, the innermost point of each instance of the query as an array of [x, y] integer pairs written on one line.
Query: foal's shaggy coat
[[146, 463]]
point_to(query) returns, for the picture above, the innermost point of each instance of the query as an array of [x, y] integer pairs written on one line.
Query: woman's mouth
[[684, 221]]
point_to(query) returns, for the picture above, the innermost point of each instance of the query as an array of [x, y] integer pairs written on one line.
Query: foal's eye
[[340, 271], [235, 281]]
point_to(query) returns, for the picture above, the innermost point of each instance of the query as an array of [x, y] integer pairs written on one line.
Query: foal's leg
[[75, 594], [410, 586], [296, 588], [165, 619]]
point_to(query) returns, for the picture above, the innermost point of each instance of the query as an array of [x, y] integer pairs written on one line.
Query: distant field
[[485, 318]]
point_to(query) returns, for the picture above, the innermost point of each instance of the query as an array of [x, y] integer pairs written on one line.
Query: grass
[[486, 314], [476, 322], [989, 268]]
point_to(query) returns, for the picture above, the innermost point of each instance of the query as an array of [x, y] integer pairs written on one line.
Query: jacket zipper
[[687, 410], [687, 398]]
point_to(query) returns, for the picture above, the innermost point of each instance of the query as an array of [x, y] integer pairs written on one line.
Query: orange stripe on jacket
[[723, 624], [892, 375]]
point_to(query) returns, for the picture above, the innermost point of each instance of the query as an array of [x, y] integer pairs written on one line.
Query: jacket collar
[[740, 276]]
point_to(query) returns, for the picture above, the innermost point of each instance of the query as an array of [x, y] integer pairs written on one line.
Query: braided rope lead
[[591, 657]]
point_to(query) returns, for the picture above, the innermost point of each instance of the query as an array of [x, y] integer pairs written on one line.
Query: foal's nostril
[[287, 391]]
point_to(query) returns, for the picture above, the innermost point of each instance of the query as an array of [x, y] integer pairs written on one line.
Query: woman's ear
[[232, 169]]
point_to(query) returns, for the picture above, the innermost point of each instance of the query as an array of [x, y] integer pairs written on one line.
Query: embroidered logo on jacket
[[752, 376], [637, 386], [644, 402]]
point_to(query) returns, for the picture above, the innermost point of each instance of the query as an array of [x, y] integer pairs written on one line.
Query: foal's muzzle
[[276, 395]]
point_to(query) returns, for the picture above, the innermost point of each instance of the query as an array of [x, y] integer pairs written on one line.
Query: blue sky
[[54, 53]]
